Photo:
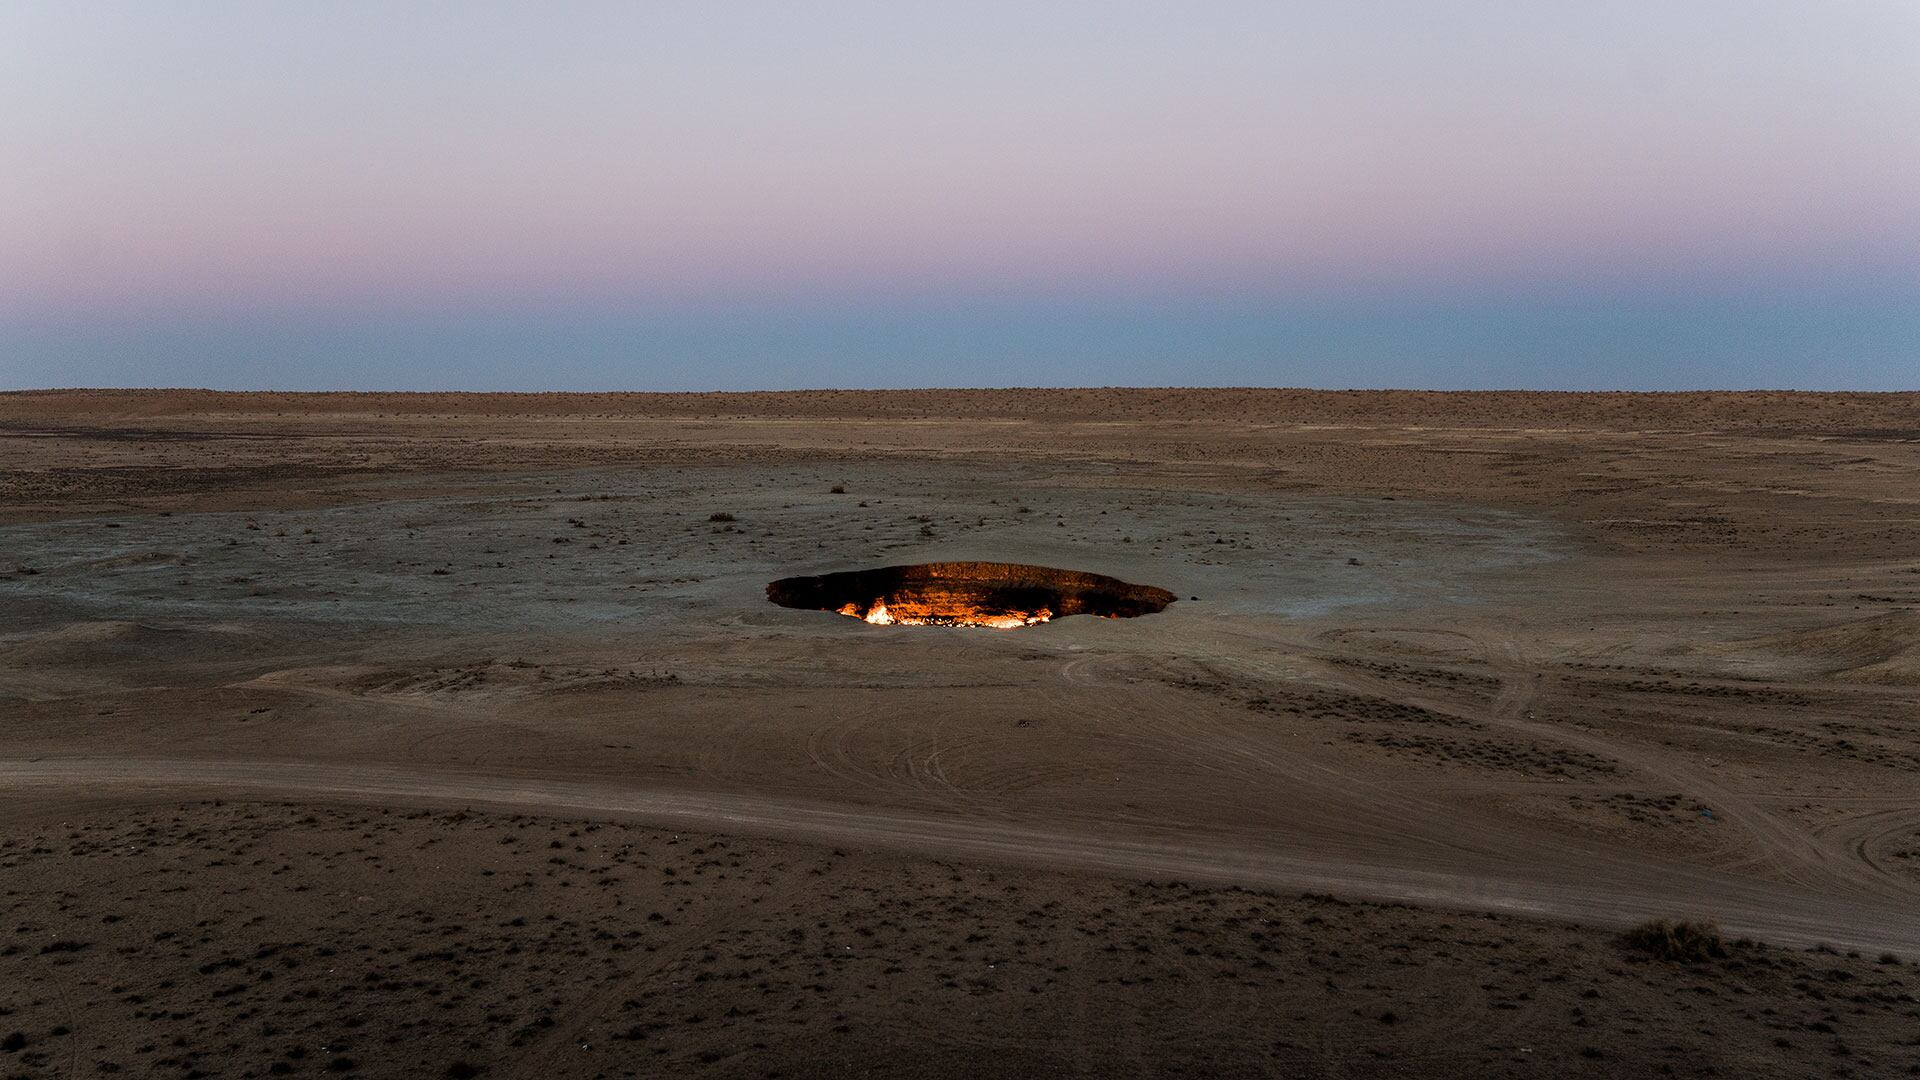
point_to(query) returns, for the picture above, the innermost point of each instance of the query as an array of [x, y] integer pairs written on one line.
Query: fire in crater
[[1000, 596], [879, 615]]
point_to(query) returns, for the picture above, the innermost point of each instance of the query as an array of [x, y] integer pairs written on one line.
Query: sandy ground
[[1502, 673]]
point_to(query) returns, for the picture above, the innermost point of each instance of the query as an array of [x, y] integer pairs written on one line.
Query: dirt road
[[1575, 660]]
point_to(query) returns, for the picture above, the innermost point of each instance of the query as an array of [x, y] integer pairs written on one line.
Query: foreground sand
[[1540, 666], [255, 939]]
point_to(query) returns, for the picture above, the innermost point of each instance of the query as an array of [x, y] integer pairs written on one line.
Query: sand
[[309, 698]]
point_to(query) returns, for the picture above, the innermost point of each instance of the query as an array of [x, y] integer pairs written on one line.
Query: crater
[[1001, 596]]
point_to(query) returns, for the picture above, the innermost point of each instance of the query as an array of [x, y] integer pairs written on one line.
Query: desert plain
[[454, 735]]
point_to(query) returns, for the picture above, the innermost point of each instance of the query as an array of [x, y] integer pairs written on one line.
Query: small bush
[[837, 489], [721, 516], [1684, 942]]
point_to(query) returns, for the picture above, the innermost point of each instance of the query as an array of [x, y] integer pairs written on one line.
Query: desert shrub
[[837, 489], [1684, 942], [721, 516]]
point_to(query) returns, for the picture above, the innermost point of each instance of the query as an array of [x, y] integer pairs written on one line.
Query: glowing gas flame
[[878, 615], [1010, 622]]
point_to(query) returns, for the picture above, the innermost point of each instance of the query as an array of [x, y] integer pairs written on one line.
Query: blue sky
[[760, 195]]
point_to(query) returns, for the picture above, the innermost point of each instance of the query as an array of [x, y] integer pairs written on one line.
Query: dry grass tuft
[[1683, 942]]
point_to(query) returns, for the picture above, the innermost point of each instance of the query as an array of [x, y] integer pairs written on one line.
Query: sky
[[744, 195]]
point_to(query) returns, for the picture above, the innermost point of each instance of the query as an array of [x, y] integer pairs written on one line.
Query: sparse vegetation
[[1683, 942], [813, 954], [270, 939]]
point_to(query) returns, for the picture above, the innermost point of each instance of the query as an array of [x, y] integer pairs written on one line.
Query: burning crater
[[1003, 596]]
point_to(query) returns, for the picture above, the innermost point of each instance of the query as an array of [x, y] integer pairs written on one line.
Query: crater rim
[[996, 595]]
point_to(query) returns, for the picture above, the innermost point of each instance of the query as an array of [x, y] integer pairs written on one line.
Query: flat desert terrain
[[455, 735]]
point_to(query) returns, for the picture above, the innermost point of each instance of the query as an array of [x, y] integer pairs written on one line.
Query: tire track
[[1610, 892]]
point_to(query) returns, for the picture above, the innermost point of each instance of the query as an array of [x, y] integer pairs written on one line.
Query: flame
[[878, 615], [1010, 622]]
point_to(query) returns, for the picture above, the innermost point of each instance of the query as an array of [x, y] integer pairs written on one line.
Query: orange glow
[[998, 596], [911, 615]]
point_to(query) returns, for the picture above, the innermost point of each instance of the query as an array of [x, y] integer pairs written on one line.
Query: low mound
[[110, 643], [1884, 649], [998, 595]]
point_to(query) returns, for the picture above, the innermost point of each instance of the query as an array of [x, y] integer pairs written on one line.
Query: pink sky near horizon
[[227, 157]]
